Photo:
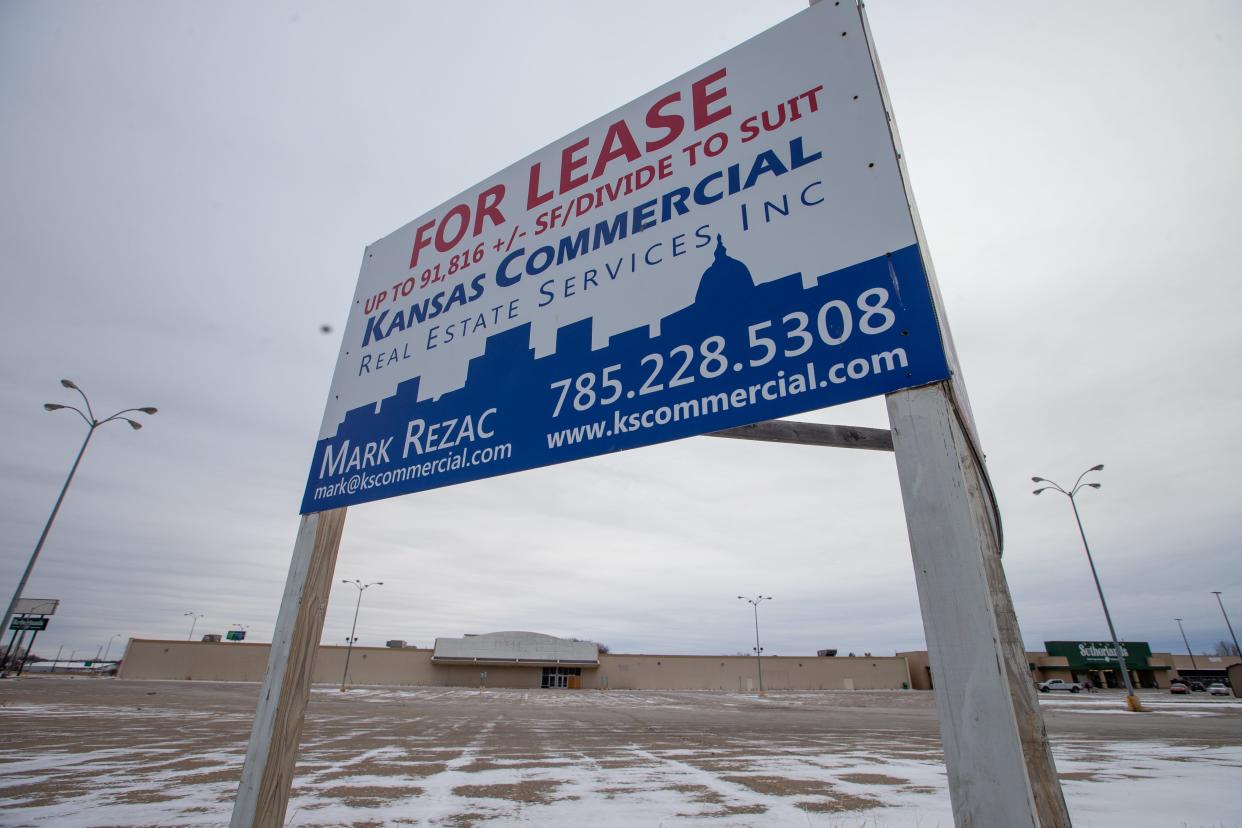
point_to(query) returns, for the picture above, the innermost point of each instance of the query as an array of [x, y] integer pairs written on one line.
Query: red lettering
[[701, 98], [749, 131], [810, 96], [569, 163], [443, 244], [488, 206], [533, 197], [421, 241], [658, 120], [707, 104], [626, 147]]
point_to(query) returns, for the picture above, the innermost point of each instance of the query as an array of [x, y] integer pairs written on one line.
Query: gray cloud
[[188, 189]]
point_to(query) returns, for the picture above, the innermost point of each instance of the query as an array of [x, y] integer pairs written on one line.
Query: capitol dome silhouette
[[725, 277]]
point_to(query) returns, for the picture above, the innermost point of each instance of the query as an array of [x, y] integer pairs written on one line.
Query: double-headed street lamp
[[754, 604], [92, 423], [1131, 699], [352, 638], [1236, 649]]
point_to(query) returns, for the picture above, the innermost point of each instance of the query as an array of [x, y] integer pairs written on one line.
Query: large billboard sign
[[731, 247]]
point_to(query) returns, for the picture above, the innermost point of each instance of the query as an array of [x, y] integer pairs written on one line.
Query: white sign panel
[[731, 247], [36, 606]]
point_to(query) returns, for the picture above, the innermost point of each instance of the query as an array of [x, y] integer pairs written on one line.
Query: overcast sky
[[186, 191]]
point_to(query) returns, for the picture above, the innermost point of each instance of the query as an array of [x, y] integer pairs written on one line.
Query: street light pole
[[108, 649], [193, 623], [754, 604], [1232, 635], [92, 423], [1132, 699], [352, 638], [1187, 643]]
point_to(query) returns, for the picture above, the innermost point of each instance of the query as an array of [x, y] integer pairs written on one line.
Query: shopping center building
[[519, 659], [534, 660]]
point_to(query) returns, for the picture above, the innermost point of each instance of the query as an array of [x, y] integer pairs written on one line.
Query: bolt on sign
[[734, 246]]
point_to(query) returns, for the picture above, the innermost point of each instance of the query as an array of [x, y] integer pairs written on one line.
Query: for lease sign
[[731, 247]]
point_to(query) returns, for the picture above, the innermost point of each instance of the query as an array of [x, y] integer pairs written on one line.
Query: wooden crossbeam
[[812, 434]]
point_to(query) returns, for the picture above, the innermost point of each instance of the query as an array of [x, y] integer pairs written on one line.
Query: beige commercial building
[[534, 660], [518, 659]]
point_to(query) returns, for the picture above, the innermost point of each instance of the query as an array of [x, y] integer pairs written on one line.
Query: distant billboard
[[36, 606], [734, 246]]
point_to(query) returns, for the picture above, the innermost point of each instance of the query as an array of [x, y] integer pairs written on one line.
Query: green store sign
[[1100, 654]]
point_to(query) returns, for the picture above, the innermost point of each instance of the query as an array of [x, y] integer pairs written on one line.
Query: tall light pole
[[1232, 635], [1131, 699], [108, 649], [1187, 643], [193, 623], [754, 605], [352, 638], [92, 423]]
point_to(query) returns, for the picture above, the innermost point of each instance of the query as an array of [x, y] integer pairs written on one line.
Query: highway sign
[[28, 623]]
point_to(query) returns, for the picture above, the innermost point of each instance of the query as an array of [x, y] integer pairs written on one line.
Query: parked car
[[1178, 688], [1218, 689], [1059, 684], [1197, 686]]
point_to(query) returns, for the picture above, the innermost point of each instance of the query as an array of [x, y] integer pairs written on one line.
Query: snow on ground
[[449, 767], [1187, 706]]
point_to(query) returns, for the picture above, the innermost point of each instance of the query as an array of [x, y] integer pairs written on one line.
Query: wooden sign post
[[267, 775], [996, 751]]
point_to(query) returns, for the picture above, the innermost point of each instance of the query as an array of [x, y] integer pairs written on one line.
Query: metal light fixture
[[754, 603], [92, 423], [1132, 699]]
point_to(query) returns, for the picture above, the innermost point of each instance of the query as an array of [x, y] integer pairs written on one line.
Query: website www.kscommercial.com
[[776, 388], [363, 481]]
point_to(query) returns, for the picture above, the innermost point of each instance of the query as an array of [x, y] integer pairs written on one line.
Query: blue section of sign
[[741, 353]]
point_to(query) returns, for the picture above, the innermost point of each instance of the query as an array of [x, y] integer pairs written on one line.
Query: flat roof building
[[521, 659]]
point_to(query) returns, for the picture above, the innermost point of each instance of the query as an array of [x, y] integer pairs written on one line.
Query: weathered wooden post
[[267, 776]]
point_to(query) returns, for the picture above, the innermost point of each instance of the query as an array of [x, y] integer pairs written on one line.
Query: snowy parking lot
[[99, 752]]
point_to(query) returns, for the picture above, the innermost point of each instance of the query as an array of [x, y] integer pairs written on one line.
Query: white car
[[1059, 684], [1218, 689]]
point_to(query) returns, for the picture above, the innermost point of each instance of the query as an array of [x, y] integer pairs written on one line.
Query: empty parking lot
[[100, 752]]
